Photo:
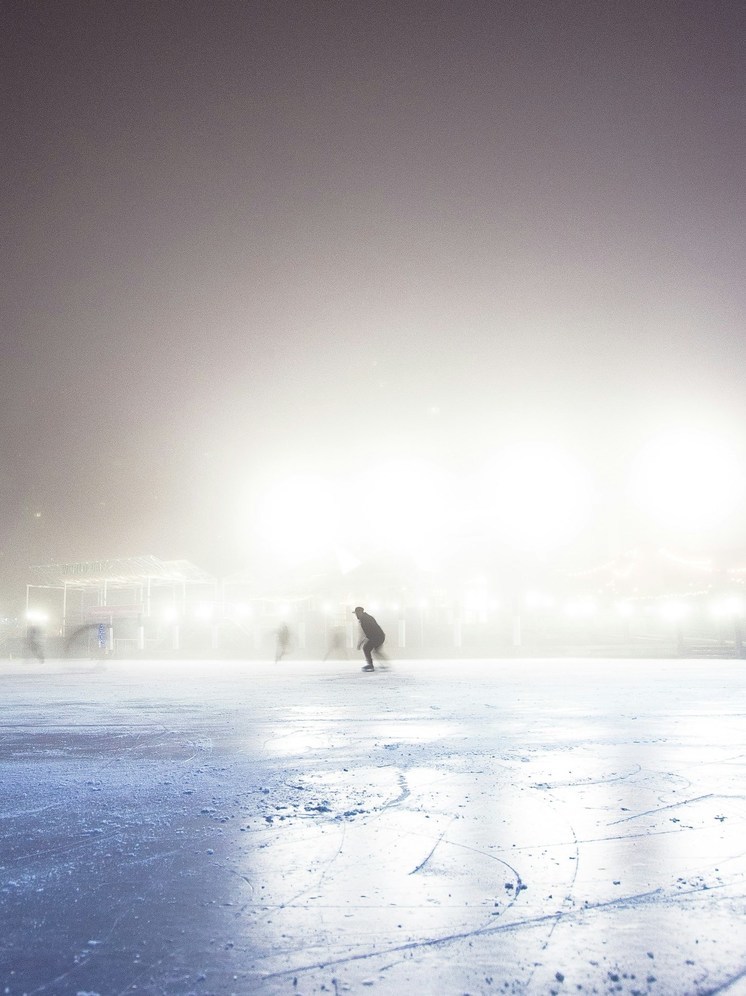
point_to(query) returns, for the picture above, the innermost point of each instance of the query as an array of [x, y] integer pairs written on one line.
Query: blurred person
[[283, 641], [336, 643], [373, 637], [74, 642], [32, 645], [80, 638]]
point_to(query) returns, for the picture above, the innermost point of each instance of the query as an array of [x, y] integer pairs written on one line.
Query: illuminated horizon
[[462, 276]]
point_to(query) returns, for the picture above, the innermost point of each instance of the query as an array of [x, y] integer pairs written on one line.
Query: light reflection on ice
[[334, 736], [431, 830]]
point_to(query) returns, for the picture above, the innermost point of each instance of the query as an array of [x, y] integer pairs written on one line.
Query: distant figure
[[33, 644], [283, 642], [336, 643], [373, 637]]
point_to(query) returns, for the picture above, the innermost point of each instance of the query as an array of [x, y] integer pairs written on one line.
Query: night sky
[[248, 240]]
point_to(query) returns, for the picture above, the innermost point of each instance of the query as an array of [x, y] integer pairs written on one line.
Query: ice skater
[[283, 642], [373, 637], [336, 646], [32, 644]]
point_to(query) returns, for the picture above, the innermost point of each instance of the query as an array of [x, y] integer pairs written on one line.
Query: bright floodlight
[[534, 497], [405, 506], [299, 518], [674, 611], [686, 481], [580, 608], [728, 607], [538, 600], [477, 600]]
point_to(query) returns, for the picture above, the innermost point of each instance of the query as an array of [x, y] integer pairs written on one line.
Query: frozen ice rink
[[558, 826]]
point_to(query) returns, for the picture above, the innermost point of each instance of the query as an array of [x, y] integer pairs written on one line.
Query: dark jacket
[[371, 629]]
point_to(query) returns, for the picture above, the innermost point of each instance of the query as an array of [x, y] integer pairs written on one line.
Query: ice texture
[[441, 827]]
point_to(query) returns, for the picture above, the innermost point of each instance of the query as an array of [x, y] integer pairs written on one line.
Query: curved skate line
[[430, 853], [401, 780]]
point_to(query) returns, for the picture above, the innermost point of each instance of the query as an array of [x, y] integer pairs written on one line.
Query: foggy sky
[[244, 238]]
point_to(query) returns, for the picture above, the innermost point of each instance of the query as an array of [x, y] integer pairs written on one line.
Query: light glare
[[686, 481]]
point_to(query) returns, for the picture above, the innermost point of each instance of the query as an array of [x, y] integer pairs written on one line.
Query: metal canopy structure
[[117, 572], [122, 587]]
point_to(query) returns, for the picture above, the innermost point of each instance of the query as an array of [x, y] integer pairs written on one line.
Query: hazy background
[[242, 241]]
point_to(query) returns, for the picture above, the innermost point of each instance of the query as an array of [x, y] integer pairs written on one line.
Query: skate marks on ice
[[549, 869], [476, 901], [112, 848], [301, 836]]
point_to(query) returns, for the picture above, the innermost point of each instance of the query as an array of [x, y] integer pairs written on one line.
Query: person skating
[[372, 639], [336, 646], [32, 644], [283, 642]]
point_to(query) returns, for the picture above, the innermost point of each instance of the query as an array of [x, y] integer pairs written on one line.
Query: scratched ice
[[439, 828]]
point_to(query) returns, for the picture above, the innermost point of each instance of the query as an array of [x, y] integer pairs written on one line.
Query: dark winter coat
[[371, 629]]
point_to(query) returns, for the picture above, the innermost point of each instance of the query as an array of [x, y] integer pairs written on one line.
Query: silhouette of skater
[[336, 643], [33, 646], [372, 639], [283, 642]]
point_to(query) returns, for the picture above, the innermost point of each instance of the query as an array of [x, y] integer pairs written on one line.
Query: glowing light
[[406, 506], [346, 561], [538, 600], [476, 600], [686, 481], [695, 563], [204, 612], [36, 616], [674, 611], [534, 497], [170, 613], [299, 517], [581, 608], [728, 607]]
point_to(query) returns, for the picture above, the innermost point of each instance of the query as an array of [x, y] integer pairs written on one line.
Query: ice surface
[[441, 827]]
